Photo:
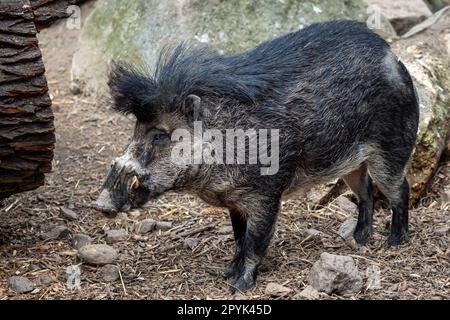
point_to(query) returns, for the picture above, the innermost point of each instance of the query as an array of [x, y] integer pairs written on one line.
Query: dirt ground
[[158, 266]]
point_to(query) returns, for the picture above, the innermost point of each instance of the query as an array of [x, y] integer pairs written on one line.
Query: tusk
[[134, 183]]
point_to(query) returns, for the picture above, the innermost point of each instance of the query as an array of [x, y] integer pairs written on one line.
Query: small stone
[[373, 274], [313, 233], [123, 216], [346, 206], [57, 232], [442, 230], [68, 214], [110, 273], [73, 277], [74, 87], [335, 274], [347, 228], [447, 271], [240, 296], [80, 240], [116, 235], [190, 243], [21, 284], [225, 230], [309, 293], [144, 226], [277, 290], [46, 279], [446, 196], [98, 254], [163, 225], [138, 237]]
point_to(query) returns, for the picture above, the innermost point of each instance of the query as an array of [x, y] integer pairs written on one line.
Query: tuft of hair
[[185, 70], [133, 92]]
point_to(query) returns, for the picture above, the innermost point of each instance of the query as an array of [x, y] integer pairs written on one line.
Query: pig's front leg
[[253, 232], [239, 223]]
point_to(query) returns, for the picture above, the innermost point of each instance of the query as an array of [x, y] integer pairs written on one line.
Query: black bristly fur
[[133, 92], [264, 73]]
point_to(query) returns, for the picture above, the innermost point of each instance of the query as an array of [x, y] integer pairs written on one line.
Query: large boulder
[[426, 54], [135, 31], [402, 13]]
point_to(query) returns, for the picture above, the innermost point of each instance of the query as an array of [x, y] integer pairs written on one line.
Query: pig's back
[[318, 58]]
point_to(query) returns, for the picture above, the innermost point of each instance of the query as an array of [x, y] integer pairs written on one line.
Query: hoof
[[362, 235], [243, 283], [396, 239]]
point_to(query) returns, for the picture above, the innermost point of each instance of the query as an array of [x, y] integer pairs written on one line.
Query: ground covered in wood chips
[[158, 265]]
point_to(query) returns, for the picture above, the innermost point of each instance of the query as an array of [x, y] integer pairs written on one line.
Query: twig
[[123, 284], [195, 231]]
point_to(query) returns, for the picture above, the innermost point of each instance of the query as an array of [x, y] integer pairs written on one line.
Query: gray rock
[[277, 290], [72, 277], [122, 216], [442, 231], [80, 240], [110, 273], [402, 13], [21, 284], [347, 228], [190, 243], [68, 214], [74, 88], [308, 293], [313, 233], [57, 232], [425, 55], [116, 235], [163, 225], [98, 254], [46, 279], [144, 226], [373, 274], [335, 274], [346, 205]]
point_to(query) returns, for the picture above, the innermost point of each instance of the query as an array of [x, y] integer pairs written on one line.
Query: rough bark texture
[[48, 11], [26, 118]]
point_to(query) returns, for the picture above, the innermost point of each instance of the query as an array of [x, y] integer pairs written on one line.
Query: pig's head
[[146, 169]]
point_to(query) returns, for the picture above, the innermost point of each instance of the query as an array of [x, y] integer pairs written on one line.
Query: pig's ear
[[192, 107], [133, 92]]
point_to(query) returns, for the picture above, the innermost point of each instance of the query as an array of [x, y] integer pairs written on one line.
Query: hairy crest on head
[[180, 72]]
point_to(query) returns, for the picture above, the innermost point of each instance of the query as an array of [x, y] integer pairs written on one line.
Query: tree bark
[[47, 12], [26, 118]]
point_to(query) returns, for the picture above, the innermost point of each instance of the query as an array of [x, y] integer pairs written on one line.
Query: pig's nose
[[105, 205], [107, 211]]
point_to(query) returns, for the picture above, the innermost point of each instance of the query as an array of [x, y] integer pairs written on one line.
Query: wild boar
[[333, 98]]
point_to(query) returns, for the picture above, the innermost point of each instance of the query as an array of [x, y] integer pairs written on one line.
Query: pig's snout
[[105, 204]]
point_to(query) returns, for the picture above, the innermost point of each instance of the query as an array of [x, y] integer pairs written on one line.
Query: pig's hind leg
[[239, 223], [253, 223], [391, 181], [360, 183]]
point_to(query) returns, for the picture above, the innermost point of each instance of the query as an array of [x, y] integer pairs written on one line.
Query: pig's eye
[[160, 138]]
